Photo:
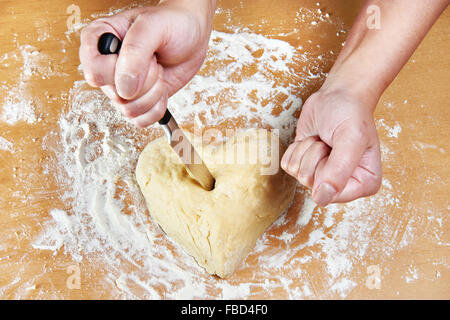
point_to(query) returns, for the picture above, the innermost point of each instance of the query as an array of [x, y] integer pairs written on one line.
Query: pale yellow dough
[[219, 227]]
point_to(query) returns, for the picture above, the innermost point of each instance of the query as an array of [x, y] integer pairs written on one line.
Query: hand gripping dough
[[219, 227]]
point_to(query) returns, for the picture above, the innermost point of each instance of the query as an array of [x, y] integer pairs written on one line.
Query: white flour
[[17, 104], [14, 110], [6, 145], [217, 96], [392, 132]]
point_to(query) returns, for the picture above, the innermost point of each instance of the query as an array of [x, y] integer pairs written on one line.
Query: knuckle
[[85, 32], [89, 30], [283, 165], [160, 112], [320, 148], [311, 139], [142, 121], [312, 100], [306, 180], [292, 168], [83, 54], [93, 78]]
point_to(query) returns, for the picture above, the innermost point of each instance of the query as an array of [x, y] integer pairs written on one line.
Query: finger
[[136, 55], [287, 156], [153, 115], [311, 158], [154, 73], [349, 143], [299, 149], [293, 151], [366, 178], [98, 69], [111, 93], [305, 125], [135, 108]]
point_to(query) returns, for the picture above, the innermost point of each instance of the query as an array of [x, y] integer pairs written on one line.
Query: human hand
[[163, 47], [336, 151]]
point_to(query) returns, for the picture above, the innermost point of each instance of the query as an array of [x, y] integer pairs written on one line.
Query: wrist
[[202, 10], [357, 84]]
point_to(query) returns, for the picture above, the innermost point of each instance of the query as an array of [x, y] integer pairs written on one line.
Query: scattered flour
[[392, 131], [18, 109], [6, 145], [306, 213], [18, 105], [108, 225], [217, 96], [418, 145], [412, 275], [98, 151]]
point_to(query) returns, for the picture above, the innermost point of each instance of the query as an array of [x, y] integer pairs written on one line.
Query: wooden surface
[[416, 162]]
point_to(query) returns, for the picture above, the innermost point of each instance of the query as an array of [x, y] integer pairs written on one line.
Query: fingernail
[[127, 85], [324, 194]]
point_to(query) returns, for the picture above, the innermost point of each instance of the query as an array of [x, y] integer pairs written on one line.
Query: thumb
[[136, 53], [349, 142]]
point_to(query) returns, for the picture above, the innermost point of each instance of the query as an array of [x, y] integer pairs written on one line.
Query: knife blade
[[193, 162]]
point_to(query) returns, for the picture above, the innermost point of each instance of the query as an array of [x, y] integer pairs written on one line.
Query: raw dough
[[219, 227]]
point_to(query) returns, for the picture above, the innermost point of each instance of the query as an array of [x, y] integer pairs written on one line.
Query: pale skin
[[336, 151]]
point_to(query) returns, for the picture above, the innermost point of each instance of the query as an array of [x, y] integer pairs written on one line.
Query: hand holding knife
[[110, 44]]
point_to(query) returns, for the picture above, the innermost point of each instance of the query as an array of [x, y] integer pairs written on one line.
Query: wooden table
[[407, 249]]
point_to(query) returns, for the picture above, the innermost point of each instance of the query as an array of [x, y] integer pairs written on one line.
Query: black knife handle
[[108, 43], [166, 118]]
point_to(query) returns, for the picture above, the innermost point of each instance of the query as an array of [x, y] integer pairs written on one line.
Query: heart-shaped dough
[[219, 227]]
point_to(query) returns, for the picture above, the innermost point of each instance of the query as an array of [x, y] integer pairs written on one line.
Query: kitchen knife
[[110, 44]]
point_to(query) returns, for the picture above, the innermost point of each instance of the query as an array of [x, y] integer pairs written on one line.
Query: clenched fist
[[336, 151], [163, 47]]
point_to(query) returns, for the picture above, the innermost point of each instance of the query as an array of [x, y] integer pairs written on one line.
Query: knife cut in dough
[[218, 227]]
